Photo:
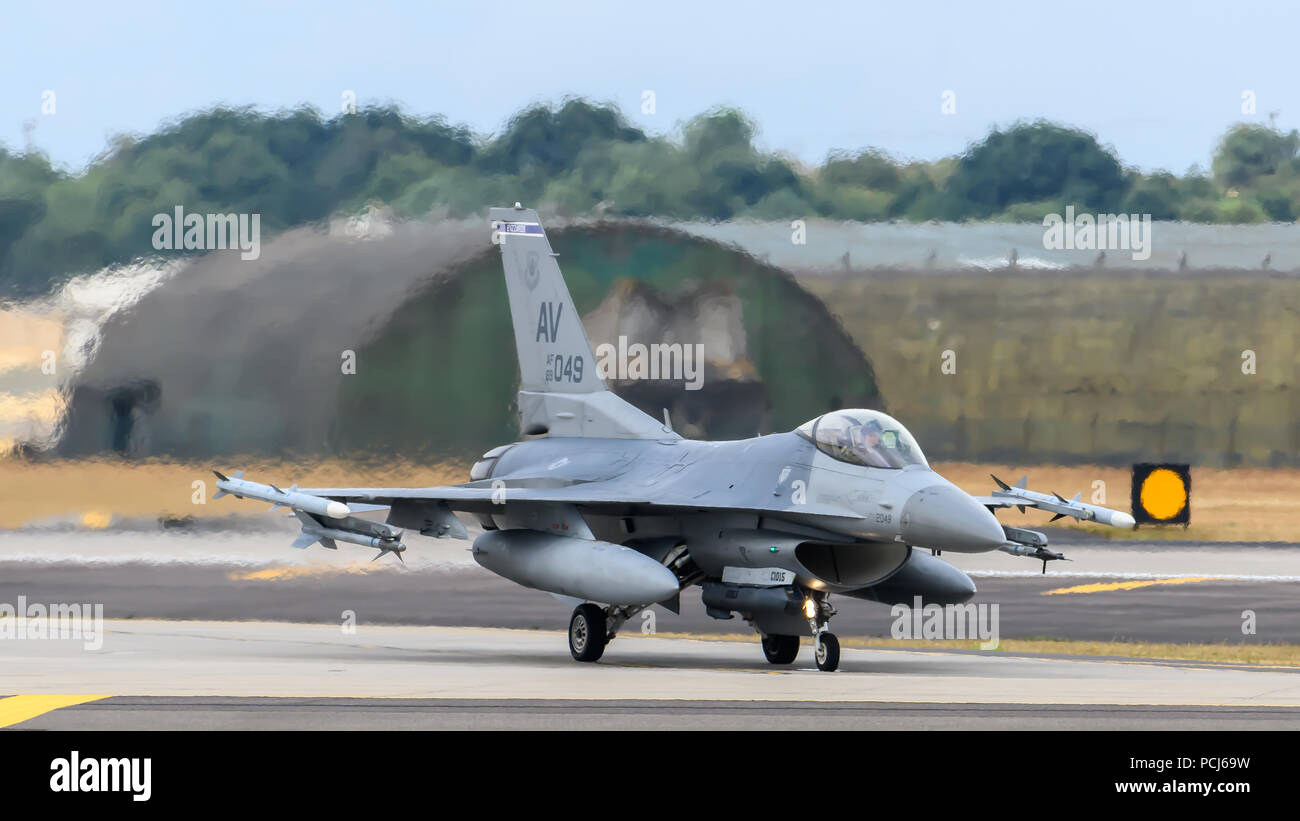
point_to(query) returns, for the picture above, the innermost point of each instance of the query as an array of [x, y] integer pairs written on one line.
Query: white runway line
[[1051, 574], [241, 550]]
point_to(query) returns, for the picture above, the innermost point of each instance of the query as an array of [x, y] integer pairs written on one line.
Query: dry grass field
[[97, 491], [1239, 505]]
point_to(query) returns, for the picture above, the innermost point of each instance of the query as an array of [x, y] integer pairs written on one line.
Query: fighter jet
[[611, 508]]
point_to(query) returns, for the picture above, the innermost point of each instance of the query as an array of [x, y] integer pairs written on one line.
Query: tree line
[[579, 157]]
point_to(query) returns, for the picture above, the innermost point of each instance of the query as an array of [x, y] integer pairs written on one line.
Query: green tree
[[1036, 161]]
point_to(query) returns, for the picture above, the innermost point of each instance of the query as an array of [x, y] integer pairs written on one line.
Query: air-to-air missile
[[1055, 503], [340, 524], [390, 542], [241, 488]]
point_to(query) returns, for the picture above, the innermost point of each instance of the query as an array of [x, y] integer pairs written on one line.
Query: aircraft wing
[[483, 498], [328, 514]]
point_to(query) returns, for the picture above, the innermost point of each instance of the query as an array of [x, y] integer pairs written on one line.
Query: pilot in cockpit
[[867, 444]]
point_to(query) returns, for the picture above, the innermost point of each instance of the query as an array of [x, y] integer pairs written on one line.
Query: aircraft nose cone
[[943, 517]]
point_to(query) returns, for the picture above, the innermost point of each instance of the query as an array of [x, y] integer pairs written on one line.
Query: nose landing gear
[[782, 649], [828, 652], [827, 646]]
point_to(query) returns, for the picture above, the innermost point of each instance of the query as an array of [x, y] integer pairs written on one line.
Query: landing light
[[809, 608]]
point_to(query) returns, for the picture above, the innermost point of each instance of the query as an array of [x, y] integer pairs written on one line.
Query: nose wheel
[[828, 652]]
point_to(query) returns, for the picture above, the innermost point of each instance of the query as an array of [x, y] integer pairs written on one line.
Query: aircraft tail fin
[[554, 354], [561, 393]]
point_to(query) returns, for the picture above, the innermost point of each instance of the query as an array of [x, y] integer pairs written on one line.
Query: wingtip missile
[[1021, 497], [297, 500]]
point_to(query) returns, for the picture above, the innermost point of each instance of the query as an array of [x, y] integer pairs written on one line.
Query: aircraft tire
[[780, 649], [828, 653], [587, 637]]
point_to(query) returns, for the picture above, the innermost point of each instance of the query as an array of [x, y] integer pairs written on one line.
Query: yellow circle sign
[[1163, 494]]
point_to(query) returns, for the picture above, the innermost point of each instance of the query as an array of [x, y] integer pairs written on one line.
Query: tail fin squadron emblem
[[530, 271]]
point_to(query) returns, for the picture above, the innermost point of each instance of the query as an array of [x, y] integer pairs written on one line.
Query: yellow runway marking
[[300, 571], [1103, 587], [16, 709]]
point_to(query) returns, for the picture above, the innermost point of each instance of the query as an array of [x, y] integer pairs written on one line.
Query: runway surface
[[1127, 592], [227, 670], [236, 630], [211, 713]]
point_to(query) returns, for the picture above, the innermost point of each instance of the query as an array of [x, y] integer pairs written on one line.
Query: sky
[[1159, 81]]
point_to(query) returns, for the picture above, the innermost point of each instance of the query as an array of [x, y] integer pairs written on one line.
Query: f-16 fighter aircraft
[[608, 506]]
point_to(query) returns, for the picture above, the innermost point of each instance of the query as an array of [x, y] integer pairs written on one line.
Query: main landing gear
[[592, 628], [587, 635]]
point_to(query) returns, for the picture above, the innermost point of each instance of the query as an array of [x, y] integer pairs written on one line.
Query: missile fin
[[239, 474], [1024, 482], [1001, 483], [1057, 516], [396, 550], [1078, 497], [304, 540]]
